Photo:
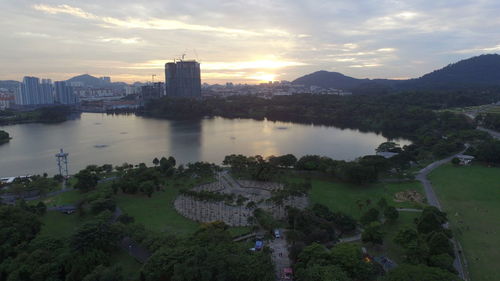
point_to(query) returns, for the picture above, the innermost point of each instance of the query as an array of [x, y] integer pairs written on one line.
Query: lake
[[95, 138]]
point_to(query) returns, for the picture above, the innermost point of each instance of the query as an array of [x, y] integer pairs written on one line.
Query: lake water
[[96, 138]]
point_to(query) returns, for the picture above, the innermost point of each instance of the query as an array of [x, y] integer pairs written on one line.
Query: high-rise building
[[152, 91], [65, 94], [182, 79], [46, 94], [31, 92]]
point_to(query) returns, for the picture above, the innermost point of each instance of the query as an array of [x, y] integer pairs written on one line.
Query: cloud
[[133, 40], [152, 23], [479, 50], [64, 9]]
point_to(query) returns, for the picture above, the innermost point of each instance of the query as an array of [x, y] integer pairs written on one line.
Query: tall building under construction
[[182, 79]]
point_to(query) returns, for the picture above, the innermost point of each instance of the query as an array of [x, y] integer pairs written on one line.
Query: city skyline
[[242, 42]]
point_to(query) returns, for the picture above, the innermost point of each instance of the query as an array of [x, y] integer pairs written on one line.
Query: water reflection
[[99, 139]]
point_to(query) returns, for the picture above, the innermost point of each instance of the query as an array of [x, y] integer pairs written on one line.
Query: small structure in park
[[387, 154], [465, 159], [234, 201]]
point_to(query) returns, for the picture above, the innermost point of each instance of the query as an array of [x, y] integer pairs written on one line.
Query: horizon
[[261, 42]]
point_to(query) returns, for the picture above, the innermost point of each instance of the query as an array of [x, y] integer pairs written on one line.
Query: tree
[[322, 273], [373, 234], [455, 161], [389, 147], [419, 272], [147, 188], [405, 236], [99, 235], [4, 137], [350, 259], [443, 261], [156, 161], [439, 243], [382, 203], [431, 219], [391, 213], [17, 227], [86, 180], [370, 216], [102, 273]]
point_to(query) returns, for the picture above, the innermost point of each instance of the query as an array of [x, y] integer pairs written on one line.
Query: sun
[[263, 77]]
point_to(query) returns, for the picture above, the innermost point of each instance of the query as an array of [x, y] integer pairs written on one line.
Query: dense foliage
[[208, 255], [344, 262], [4, 137], [489, 120], [50, 114]]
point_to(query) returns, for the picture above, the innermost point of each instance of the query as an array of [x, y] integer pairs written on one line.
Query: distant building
[[152, 91], [31, 92], [65, 94], [182, 79], [6, 101], [106, 79]]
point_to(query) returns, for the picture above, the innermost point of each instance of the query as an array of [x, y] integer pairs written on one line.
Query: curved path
[[433, 201]]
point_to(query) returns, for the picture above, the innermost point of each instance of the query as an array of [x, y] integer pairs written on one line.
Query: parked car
[[277, 233]]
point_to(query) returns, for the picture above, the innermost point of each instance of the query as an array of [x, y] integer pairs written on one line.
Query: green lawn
[[65, 198], [471, 197], [158, 212], [343, 197]]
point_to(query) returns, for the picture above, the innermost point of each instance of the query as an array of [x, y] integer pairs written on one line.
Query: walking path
[[279, 254], [433, 201], [494, 134], [409, 210], [133, 248]]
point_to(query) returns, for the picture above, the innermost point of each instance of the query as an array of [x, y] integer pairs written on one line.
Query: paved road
[[433, 201], [11, 198], [354, 238], [494, 134], [280, 256], [409, 210]]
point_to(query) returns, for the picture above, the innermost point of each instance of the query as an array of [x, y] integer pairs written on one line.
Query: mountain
[[89, 81], [327, 79], [481, 71]]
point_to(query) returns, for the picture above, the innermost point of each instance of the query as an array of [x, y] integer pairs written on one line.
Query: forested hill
[[474, 73]]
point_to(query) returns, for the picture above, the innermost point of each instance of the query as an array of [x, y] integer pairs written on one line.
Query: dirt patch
[[409, 196]]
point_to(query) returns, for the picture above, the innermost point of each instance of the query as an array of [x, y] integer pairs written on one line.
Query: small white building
[[465, 159]]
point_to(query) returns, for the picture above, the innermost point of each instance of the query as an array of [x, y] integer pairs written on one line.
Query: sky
[[242, 41]]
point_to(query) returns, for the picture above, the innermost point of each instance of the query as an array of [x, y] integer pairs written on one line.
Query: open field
[[344, 197], [471, 197], [65, 198], [157, 213]]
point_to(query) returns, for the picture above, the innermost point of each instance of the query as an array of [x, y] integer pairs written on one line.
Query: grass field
[[471, 197], [158, 212], [343, 197], [66, 198]]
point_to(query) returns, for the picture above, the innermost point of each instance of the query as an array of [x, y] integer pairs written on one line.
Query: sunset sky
[[242, 41]]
